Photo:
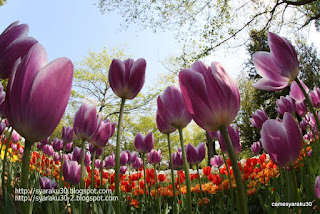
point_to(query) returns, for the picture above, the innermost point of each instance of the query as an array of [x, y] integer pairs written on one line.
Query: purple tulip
[[137, 164], [195, 154], [2, 101], [38, 94], [282, 140], [14, 44], [14, 147], [15, 137], [172, 109], [48, 150], [213, 135], [309, 153], [98, 150], [102, 135], [177, 159], [123, 170], [131, 156], [110, 161], [258, 118], [234, 137], [216, 161], [2, 127], [67, 134], [40, 146], [144, 144], [210, 95], [21, 150], [123, 158], [154, 156], [127, 78], [278, 68], [285, 104], [68, 146], [163, 127], [57, 144], [315, 97], [317, 187], [45, 141], [71, 172], [304, 124], [98, 163], [296, 93], [77, 156], [256, 147], [301, 108], [86, 122], [56, 156], [47, 183]]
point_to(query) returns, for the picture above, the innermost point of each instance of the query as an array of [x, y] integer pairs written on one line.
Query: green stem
[[61, 185], [24, 174], [236, 171], [5, 160], [82, 164], [101, 170], [201, 193], [230, 183], [294, 183], [145, 181], [186, 171], [157, 188], [309, 103], [93, 166], [172, 178], [117, 164]]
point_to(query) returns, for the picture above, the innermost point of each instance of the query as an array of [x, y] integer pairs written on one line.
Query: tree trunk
[[211, 148]]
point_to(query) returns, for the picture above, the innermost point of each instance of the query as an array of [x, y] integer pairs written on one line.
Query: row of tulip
[[37, 95]]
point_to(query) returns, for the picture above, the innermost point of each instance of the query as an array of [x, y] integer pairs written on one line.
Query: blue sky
[[70, 28]]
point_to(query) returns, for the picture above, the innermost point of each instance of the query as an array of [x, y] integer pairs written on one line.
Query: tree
[[209, 24], [2, 2], [252, 99]]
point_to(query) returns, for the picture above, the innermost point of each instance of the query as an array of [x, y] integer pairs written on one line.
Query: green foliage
[[2, 2]]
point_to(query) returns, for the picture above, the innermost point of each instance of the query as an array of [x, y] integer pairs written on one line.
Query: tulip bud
[[195, 155], [47, 183], [216, 161], [256, 147], [71, 172], [154, 156], [144, 144]]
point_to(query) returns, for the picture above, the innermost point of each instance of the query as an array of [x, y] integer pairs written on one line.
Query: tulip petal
[[136, 78], [49, 98], [296, 93], [270, 85], [116, 77]]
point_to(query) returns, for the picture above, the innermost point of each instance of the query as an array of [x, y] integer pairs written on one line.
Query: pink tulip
[[216, 161], [67, 134], [38, 94], [171, 108], [71, 172], [317, 187], [234, 137], [210, 95], [144, 144], [137, 164], [14, 44], [163, 127], [15, 137], [285, 104], [154, 156], [258, 118], [195, 154], [123, 158], [102, 135], [282, 140], [127, 78], [315, 97], [86, 122], [256, 147], [278, 68], [296, 93]]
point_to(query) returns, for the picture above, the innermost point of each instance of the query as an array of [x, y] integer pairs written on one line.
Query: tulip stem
[[309, 103], [117, 163], [172, 178], [61, 185], [82, 164], [186, 171], [230, 182], [101, 170], [243, 204], [4, 162], [93, 166], [201, 193], [145, 181], [24, 174]]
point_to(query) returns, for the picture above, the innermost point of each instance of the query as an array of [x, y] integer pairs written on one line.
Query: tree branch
[[298, 3]]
